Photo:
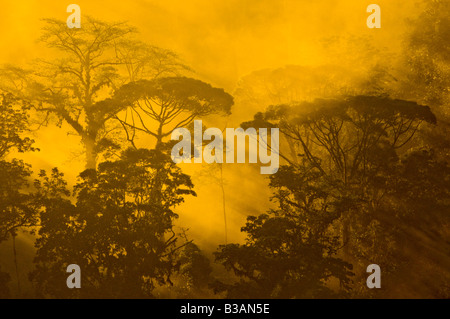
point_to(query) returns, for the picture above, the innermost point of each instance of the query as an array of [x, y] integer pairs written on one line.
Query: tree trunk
[[159, 137], [16, 264], [91, 154], [223, 203]]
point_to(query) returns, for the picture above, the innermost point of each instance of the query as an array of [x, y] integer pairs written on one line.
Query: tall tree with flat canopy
[[348, 153], [157, 107]]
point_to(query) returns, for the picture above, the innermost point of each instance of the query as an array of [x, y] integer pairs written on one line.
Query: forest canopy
[[87, 178]]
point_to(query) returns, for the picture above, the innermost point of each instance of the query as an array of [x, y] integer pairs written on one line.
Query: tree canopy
[[159, 106], [122, 237]]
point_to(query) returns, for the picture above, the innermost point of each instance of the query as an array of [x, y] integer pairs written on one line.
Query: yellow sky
[[221, 40]]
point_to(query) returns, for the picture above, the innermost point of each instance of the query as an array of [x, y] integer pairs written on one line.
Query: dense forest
[[364, 173]]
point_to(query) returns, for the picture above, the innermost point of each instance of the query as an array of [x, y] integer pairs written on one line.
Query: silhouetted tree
[[426, 58], [415, 214], [145, 61], [424, 70], [355, 143], [290, 252], [115, 230], [158, 106], [195, 265], [93, 62], [13, 123], [17, 208]]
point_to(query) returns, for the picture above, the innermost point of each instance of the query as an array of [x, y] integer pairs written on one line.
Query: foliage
[[426, 73], [169, 103], [93, 62], [290, 252], [195, 265], [13, 123], [120, 230], [362, 150], [17, 209]]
